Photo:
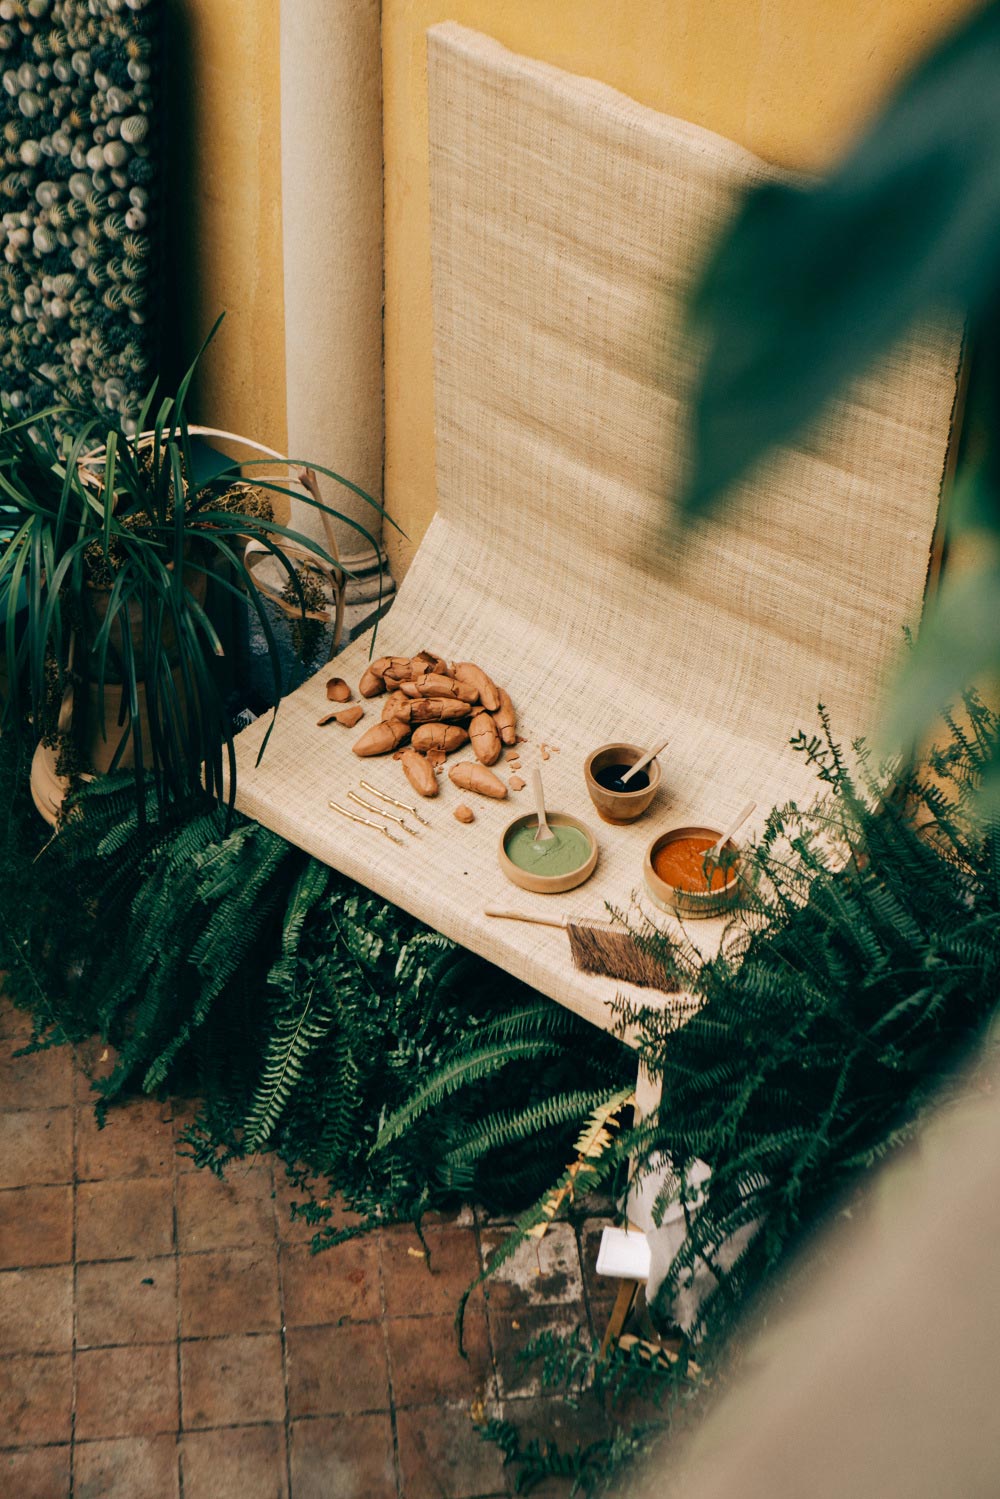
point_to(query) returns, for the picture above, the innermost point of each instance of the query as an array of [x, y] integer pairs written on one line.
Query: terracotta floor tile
[[336, 1371], [36, 1147], [232, 1381], [15, 1024], [442, 1456], [36, 1226], [36, 1310], [351, 1455], [35, 1473], [126, 1392], [126, 1468], [541, 1272], [117, 1220], [240, 1462], [137, 1140], [126, 1301], [511, 1331], [41, 1080], [230, 1214], [183, 1111], [412, 1285], [36, 1399], [551, 1419], [229, 1291], [425, 1361], [342, 1282]]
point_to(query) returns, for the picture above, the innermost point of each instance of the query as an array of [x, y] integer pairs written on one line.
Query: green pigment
[[567, 851]]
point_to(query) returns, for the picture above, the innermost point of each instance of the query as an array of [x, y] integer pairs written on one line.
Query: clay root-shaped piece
[[489, 692], [440, 736], [431, 710], [350, 716], [382, 738], [469, 776], [485, 739], [505, 718], [373, 681], [419, 772], [433, 684]]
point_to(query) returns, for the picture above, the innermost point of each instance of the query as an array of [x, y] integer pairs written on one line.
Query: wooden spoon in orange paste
[[682, 865]]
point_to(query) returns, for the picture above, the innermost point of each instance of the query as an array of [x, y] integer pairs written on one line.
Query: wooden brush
[[601, 947]]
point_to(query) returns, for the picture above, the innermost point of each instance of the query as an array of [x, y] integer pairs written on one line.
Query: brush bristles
[[617, 954]]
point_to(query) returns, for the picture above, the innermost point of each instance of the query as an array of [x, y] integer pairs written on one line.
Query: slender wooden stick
[[520, 916]]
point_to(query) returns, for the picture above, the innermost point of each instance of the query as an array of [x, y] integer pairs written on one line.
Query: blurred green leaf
[[810, 284]]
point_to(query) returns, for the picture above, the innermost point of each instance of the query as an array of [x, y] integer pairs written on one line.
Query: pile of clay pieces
[[433, 709]]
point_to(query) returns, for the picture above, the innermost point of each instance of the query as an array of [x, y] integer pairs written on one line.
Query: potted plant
[[109, 654]]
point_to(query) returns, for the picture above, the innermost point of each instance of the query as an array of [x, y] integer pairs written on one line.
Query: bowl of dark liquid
[[603, 771]]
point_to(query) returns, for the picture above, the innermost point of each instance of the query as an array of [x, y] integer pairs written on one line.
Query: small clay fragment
[[545, 752], [327, 718], [373, 681], [350, 716], [464, 813], [337, 690], [437, 757], [410, 689], [420, 773], [427, 661], [514, 761], [516, 784]]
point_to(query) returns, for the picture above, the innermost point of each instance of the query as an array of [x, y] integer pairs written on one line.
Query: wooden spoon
[[640, 764], [734, 826], [544, 832]]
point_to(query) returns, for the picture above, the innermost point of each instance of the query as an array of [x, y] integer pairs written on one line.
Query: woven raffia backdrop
[[77, 282]]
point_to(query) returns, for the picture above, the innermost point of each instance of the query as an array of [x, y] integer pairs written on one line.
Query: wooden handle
[[520, 916]]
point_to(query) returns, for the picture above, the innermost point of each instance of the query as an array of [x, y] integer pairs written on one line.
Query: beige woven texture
[[568, 224]]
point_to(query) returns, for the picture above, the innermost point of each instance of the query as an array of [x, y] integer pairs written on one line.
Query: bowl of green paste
[[554, 865]]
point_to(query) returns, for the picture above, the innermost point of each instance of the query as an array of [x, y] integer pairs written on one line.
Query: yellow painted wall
[[790, 79], [223, 203]]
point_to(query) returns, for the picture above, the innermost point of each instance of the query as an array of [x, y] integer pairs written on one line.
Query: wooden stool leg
[[624, 1301]]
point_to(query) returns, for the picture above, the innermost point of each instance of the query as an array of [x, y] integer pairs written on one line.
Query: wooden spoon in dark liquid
[[611, 778]]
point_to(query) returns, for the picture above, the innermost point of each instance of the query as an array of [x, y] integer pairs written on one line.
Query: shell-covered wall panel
[[78, 318]]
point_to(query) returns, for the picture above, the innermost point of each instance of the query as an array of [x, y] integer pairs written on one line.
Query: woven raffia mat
[[567, 225]]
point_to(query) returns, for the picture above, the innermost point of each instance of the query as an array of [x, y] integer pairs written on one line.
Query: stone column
[[331, 159]]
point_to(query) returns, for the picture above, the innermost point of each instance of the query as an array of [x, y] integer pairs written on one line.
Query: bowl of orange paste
[[679, 878]]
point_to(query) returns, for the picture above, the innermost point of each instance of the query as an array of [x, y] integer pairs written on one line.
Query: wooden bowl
[[619, 806], [547, 884], [690, 903]]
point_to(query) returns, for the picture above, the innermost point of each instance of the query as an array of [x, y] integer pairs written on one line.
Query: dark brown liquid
[[612, 774]]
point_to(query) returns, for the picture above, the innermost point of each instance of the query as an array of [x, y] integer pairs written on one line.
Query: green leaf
[[810, 284]]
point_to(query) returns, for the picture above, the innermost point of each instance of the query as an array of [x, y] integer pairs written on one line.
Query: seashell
[[115, 153], [100, 181], [63, 284], [10, 83], [120, 180], [81, 64], [63, 70], [95, 158], [44, 70], [136, 316], [61, 143], [79, 258], [101, 79], [44, 240], [78, 157], [117, 100], [99, 136], [113, 128], [46, 193], [32, 295], [29, 104], [79, 186], [27, 76], [30, 153], [13, 132], [37, 8], [138, 197], [135, 218], [138, 69], [134, 129], [60, 307], [7, 38]]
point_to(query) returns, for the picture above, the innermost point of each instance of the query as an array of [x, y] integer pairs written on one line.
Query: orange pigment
[[682, 865]]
